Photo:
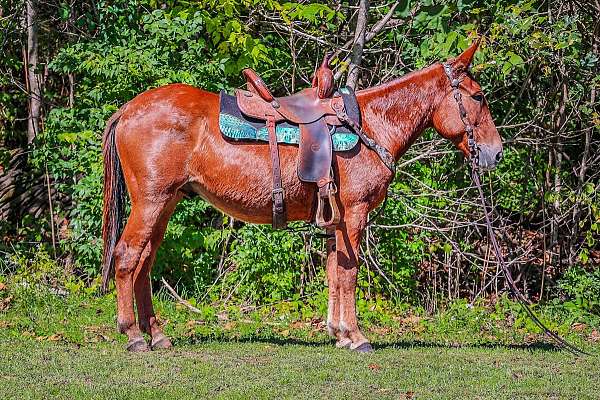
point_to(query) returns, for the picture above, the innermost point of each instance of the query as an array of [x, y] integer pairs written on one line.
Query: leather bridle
[[383, 153], [462, 111], [474, 156]]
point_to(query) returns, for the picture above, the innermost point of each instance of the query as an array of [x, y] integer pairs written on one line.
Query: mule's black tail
[[114, 199]]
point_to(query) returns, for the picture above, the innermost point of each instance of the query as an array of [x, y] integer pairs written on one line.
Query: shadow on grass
[[401, 344]]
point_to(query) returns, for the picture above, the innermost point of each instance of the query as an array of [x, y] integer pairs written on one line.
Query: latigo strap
[[278, 195]]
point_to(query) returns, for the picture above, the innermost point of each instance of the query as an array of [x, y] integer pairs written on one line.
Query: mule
[[166, 143]]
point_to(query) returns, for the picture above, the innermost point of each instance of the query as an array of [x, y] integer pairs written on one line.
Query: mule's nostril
[[499, 156]]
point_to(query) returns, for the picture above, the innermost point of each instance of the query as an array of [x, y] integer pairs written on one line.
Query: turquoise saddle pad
[[236, 126]]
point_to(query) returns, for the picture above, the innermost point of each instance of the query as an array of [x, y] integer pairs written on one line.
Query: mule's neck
[[396, 113]]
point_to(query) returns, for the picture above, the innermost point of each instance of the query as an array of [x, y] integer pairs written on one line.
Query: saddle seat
[[303, 107], [314, 110]]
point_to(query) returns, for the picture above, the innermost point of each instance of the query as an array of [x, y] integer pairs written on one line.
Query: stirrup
[[327, 194]]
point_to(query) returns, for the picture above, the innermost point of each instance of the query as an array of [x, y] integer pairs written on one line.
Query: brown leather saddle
[[314, 110]]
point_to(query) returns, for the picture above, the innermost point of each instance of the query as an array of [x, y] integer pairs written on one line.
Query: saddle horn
[[323, 79]]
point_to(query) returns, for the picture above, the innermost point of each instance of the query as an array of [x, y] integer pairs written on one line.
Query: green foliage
[[125, 47], [265, 272], [519, 190], [38, 275], [582, 288], [190, 251]]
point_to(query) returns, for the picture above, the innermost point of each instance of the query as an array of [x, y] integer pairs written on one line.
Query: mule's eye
[[477, 97]]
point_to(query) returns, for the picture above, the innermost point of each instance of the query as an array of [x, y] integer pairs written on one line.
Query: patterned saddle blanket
[[236, 126]]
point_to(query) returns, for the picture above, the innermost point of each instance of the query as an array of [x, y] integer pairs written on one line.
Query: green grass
[[41, 369], [67, 347]]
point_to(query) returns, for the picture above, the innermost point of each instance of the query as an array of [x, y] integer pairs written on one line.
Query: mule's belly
[[236, 178]]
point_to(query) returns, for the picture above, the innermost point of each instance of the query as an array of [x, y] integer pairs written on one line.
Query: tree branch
[[378, 27], [179, 298], [359, 44]]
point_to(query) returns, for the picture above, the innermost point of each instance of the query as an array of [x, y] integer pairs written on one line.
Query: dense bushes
[[538, 66]]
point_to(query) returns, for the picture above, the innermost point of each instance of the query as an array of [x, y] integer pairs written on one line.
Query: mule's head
[[447, 115]]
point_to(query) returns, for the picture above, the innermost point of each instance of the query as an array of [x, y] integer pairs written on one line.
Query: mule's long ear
[[463, 61]]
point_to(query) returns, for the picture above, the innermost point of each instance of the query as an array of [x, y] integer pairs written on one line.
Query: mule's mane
[[396, 113], [409, 76]]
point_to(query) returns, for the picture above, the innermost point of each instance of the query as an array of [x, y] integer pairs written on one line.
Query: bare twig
[[179, 299]]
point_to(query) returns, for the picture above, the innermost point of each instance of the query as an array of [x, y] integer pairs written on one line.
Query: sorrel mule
[[166, 142]]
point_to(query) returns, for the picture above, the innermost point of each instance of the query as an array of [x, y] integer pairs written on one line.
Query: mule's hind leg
[[142, 288], [136, 235]]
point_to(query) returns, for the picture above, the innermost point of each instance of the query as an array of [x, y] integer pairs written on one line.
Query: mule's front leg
[[333, 309], [348, 238]]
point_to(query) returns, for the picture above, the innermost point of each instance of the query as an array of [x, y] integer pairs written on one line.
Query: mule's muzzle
[[488, 156]]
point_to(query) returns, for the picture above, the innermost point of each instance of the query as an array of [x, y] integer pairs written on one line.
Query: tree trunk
[[33, 78], [359, 44], [557, 152], [580, 205]]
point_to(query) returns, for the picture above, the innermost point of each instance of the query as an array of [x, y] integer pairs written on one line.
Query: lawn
[[66, 346], [30, 368]]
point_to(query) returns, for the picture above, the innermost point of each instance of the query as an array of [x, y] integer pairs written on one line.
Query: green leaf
[[447, 248], [514, 58]]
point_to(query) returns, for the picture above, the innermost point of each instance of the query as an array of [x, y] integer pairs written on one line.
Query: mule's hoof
[[160, 342], [364, 348], [343, 343], [137, 345]]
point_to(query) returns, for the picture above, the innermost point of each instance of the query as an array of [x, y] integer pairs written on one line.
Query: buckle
[[332, 188], [275, 192]]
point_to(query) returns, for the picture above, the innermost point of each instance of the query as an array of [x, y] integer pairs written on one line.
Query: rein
[[474, 150], [383, 153]]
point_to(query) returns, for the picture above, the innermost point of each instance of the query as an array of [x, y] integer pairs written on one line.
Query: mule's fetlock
[[148, 325], [125, 326], [333, 329]]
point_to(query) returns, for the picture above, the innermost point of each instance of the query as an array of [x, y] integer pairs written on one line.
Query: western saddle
[[314, 110]]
